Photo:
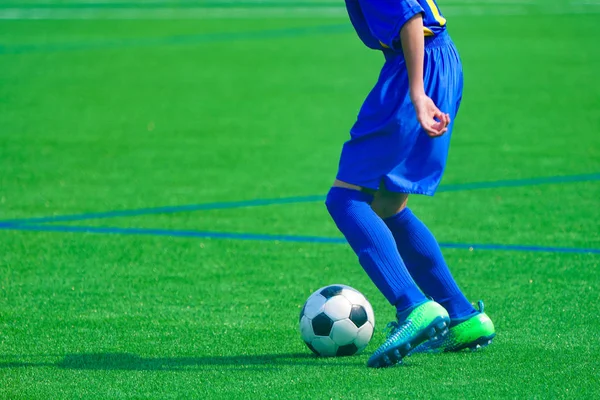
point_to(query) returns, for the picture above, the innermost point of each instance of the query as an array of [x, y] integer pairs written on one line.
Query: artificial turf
[[122, 114]]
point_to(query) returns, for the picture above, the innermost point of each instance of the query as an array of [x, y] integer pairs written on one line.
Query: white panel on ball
[[314, 305], [344, 332], [370, 313], [364, 335], [306, 330], [324, 346], [354, 296], [338, 307]]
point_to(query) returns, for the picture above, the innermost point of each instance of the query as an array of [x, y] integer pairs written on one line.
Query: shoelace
[[393, 330], [480, 305], [390, 328]]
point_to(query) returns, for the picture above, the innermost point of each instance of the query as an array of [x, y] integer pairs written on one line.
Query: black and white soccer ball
[[337, 320]]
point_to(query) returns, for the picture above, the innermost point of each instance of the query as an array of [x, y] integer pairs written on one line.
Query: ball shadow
[[134, 362]]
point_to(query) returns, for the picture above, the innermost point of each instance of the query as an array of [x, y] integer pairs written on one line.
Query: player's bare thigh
[[342, 184], [385, 203]]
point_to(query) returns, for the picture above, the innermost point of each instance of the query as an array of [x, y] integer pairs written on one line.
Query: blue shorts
[[387, 145]]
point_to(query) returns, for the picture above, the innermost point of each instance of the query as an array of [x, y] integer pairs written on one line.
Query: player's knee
[[340, 198], [334, 202], [331, 202], [339, 194]]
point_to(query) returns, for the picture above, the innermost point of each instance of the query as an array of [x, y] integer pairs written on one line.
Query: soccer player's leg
[[419, 319], [424, 165], [423, 258]]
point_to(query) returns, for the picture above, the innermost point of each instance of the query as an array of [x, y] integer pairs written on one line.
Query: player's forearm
[[413, 47]]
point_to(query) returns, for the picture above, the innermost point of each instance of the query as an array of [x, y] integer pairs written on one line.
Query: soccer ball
[[337, 320]]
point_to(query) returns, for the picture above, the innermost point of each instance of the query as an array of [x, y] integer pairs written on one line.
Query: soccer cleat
[[474, 333], [425, 322]]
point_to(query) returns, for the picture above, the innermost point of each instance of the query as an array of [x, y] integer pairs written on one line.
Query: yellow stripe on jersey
[[436, 13], [426, 31]]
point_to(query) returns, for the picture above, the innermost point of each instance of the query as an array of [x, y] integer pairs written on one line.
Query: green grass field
[[108, 111]]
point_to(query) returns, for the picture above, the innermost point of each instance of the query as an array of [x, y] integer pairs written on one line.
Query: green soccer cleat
[[427, 321], [474, 333]]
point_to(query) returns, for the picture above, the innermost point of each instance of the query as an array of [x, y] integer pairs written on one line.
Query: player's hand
[[434, 122]]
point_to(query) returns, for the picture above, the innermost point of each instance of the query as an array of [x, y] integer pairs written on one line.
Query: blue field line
[[174, 233], [164, 210], [173, 40], [518, 247], [284, 200], [273, 238], [520, 182]]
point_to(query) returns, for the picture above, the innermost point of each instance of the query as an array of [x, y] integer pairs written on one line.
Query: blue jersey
[[378, 22]]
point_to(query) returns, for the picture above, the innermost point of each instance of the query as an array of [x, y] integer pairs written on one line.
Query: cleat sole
[[475, 345]]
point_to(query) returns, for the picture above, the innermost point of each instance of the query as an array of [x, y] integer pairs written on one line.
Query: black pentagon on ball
[[322, 325], [358, 315], [346, 350], [312, 348], [331, 291]]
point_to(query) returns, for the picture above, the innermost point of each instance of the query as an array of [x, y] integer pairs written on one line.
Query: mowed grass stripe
[[175, 5], [254, 3], [175, 40], [128, 11]]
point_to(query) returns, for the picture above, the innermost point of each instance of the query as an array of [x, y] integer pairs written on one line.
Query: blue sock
[[425, 262], [374, 244]]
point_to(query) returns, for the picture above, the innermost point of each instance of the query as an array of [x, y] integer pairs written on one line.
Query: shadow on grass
[[133, 362]]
